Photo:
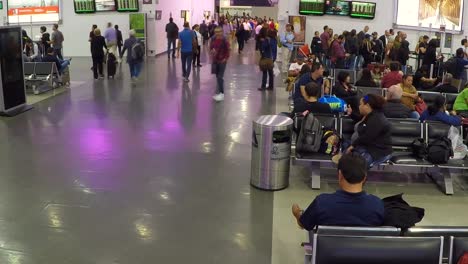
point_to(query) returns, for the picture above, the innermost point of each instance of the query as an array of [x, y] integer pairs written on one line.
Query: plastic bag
[[460, 150], [276, 70]]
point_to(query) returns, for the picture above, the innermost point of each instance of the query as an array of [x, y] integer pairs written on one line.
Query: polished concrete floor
[[149, 173], [159, 173]]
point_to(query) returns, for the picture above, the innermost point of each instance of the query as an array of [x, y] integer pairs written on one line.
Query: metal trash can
[[271, 152]]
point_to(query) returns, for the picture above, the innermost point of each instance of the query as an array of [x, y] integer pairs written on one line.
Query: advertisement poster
[[26, 11], [105, 5], [299, 24], [254, 2], [138, 23], [431, 13]]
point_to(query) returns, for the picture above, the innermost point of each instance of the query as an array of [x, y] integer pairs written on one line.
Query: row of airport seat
[[41, 77], [386, 245], [404, 132]]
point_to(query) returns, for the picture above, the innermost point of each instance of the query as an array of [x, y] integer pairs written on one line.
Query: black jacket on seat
[[375, 134]]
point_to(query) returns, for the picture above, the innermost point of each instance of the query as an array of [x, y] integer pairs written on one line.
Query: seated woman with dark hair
[[311, 103], [366, 79], [461, 63], [372, 134], [344, 90], [437, 112], [422, 81]]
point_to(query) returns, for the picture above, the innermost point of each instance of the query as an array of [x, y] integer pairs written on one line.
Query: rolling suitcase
[[111, 65]]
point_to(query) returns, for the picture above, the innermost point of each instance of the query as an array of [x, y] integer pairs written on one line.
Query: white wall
[[76, 27], [383, 20], [196, 7]]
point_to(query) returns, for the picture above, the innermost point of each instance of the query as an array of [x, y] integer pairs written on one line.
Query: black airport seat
[[369, 90], [355, 231], [458, 246], [429, 97], [404, 132], [45, 68], [28, 68], [432, 231], [435, 130], [346, 128], [450, 100], [376, 249]]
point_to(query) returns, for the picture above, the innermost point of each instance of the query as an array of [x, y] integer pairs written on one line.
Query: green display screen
[[312, 7], [363, 10], [127, 5], [1, 4], [84, 6]]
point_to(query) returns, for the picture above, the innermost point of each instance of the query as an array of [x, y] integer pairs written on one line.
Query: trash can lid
[[274, 120]]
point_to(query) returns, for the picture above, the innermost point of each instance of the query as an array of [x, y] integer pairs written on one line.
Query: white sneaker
[[219, 97], [186, 80]]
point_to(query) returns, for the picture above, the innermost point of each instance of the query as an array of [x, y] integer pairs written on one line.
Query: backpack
[[440, 150], [450, 66], [138, 51], [330, 142], [419, 147], [311, 134]]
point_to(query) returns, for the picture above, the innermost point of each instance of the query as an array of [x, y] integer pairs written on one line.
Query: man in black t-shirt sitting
[[349, 206], [310, 102]]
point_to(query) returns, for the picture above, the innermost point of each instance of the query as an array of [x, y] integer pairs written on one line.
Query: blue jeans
[[219, 71], [365, 154], [171, 42], [414, 115], [58, 53], [186, 63], [135, 69], [63, 64]]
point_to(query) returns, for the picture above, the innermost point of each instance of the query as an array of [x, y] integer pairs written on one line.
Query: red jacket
[[220, 50], [391, 78]]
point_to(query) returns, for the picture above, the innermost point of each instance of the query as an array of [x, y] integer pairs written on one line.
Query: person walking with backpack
[[136, 53], [185, 46], [220, 51]]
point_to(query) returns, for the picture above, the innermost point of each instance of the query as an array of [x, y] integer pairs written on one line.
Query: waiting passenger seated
[[446, 85], [316, 76], [393, 77], [311, 103], [366, 79], [461, 63], [348, 206], [422, 81], [410, 94], [295, 71], [295, 68], [344, 90], [52, 57], [438, 112], [372, 137], [31, 50], [394, 108]]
